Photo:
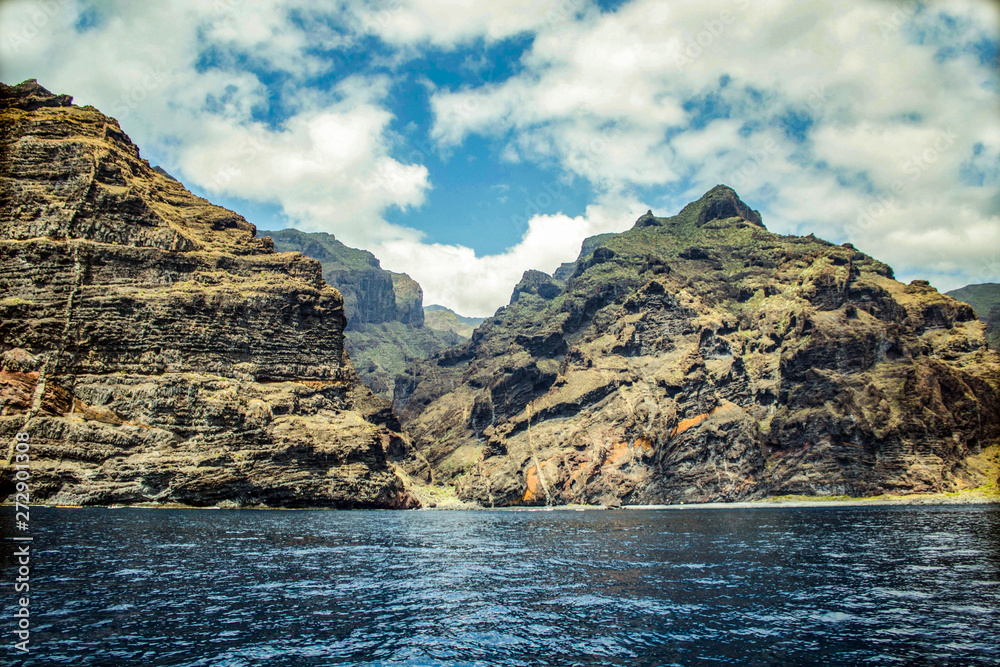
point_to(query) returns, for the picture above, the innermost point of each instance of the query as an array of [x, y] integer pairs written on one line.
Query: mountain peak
[[30, 95], [720, 203], [647, 220]]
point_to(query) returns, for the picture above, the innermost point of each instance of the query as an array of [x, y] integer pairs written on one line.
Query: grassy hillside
[[445, 319], [985, 298]]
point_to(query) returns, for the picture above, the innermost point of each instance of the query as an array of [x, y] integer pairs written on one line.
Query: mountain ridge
[[985, 298], [702, 358], [445, 319]]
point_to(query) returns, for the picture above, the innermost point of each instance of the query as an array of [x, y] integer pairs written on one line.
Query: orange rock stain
[[531, 484], [691, 422]]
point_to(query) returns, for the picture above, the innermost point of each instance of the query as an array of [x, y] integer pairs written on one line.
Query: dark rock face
[[721, 203], [537, 283], [368, 289], [29, 96], [154, 349], [385, 314], [409, 300], [703, 358]]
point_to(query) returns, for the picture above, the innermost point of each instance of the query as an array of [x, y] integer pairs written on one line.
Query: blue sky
[[464, 143]]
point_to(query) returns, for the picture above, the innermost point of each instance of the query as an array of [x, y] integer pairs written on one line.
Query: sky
[[464, 143]]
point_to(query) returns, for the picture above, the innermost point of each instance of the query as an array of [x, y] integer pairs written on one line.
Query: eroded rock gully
[[703, 358]]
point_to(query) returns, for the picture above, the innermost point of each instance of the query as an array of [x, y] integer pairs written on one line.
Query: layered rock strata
[[385, 315], [703, 358], [154, 349]]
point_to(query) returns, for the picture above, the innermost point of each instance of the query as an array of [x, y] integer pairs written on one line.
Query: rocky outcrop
[[385, 315], [371, 295], [703, 358], [985, 298], [409, 299], [156, 351]]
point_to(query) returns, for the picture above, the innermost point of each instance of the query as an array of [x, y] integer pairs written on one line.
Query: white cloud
[[329, 169], [611, 98], [447, 23], [454, 276], [890, 100]]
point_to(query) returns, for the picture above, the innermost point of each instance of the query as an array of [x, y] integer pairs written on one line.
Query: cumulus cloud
[[865, 122], [328, 168], [873, 122], [446, 23], [476, 285]]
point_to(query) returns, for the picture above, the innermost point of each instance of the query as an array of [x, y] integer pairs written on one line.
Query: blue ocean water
[[770, 586]]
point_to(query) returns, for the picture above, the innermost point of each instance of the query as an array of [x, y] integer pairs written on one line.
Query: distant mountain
[[446, 319], [372, 295], [703, 358], [385, 314], [985, 298]]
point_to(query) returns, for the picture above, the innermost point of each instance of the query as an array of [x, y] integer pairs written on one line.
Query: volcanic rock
[[385, 314], [703, 358], [985, 298], [156, 351]]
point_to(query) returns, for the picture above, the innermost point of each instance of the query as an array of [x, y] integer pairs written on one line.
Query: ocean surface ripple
[[770, 586]]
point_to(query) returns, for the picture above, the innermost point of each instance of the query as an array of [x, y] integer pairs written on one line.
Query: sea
[[837, 585]]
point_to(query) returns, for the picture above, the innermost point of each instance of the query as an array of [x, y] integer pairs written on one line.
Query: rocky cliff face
[[703, 358], [371, 294], [385, 315], [154, 349]]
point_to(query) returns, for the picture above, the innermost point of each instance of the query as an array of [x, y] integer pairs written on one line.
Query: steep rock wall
[[703, 358], [385, 315], [156, 351]]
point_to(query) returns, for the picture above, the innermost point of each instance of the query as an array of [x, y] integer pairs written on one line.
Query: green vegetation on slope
[[385, 315], [445, 319], [701, 357], [985, 298], [382, 351]]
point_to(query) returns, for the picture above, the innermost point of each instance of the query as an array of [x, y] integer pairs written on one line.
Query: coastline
[[443, 501]]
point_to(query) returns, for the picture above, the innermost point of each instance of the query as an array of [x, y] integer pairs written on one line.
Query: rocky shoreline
[[985, 496]]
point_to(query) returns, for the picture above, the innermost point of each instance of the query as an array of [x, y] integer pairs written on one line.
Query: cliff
[[371, 294], [154, 349], [703, 358], [385, 315]]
